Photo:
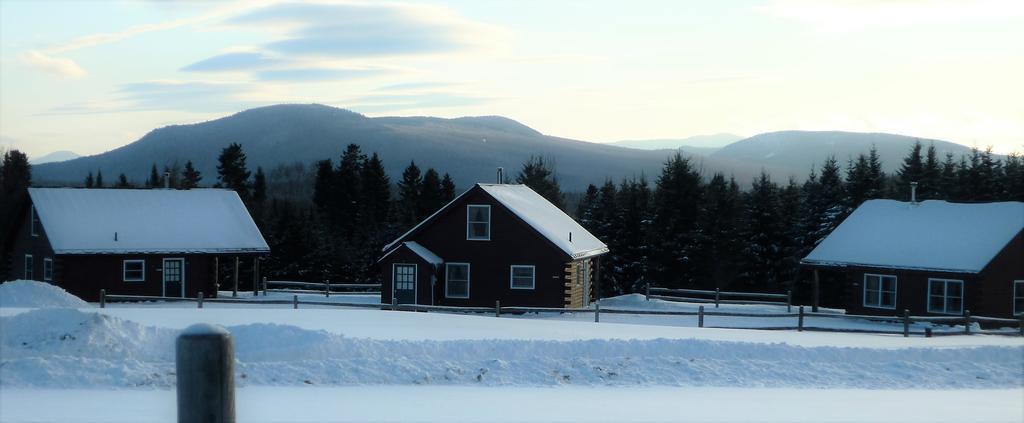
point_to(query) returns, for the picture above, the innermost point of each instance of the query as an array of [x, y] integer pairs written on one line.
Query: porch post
[[255, 276], [216, 275], [815, 292], [597, 279], [234, 290]]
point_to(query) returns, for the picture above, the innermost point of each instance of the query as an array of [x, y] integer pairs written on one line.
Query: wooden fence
[[326, 288], [719, 296], [906, 319]]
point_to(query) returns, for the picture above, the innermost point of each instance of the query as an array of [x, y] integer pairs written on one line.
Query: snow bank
[[70, 349], [33, 294]]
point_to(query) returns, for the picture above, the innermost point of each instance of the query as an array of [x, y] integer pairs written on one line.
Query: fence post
[[204, 361], [800, 320], [967, 322], [295, 302], [700, 316], [789, 301], [597, 311], [647, 292], [906, 323], [264, 286], [718, 292], [327, 288], [497, 308], [394, 303], [103, 298], [927, 332], [200, 298]]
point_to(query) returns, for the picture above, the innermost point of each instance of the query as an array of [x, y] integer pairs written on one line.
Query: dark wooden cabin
[[495, 242], [930, 257], [135, 242]]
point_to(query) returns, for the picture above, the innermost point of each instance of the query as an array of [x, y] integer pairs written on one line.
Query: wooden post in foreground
[[497, 308], [815, 292], [906, 323], [800, 320], [597, 311], [234, 290], [295, 302], [103, 298], [700, 317], [216, 276], [200, 300], [718, 293], [789, 301], [264, 286], [647, 293], [967, 322], [204, 360], [255, 276]]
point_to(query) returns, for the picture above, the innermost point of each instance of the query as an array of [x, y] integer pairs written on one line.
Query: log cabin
[[494, 242], [931, 258], [153, 242]]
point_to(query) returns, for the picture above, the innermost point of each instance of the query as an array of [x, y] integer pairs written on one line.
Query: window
[[456, 285], [29, 265], [1018, 297], [879, 291], [35, 222], [522, 277], [47, 269], [405, 276], [134, 270], [478, 222], [945, 296]]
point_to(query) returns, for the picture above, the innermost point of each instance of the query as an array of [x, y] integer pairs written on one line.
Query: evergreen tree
[[677, 197], [430, 193], [931, 180], [631, 219], [323, 186], [232, 172], [763, 234], [15, 178], [1013, 178], [259, 188], [376, 195], [948, 180], [409, 196], [190, 177], [912, 170], [99, 179], [89, 183], [154, 181], [585, 209], [447, 189], [719, 244], [122, 181], [539, 175], [348, 187], [171, 174], [987, 175]]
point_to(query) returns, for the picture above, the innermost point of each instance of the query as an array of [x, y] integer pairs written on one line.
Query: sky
[[90, 76]]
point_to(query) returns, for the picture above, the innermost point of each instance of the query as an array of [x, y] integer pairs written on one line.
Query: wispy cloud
[[191, 96], [410, 86], [316, 74], [60, 66], [236, 61], [399, 102]]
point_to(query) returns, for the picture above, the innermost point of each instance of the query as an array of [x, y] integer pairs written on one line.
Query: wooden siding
[[427, 293], [512, 242], [579, 283]]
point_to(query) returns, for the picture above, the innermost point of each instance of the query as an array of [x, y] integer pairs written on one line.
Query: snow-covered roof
[[419, 250], [84, 221], [539, 213], [932, 235]]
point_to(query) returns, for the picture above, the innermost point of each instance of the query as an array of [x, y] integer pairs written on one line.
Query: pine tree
[[763, 235], [15, 178], [122, 181], [323, 186], [259, 188], [1013, 178], [99, 179], [190, 177], [631, 219], [539, 175], [719, 244], [912, 170], [376, 195], [409, 196], [89, 181], [154, 180], [348, 187], [447, 189], [677, 199], [931, 180], [232, 172], [948, 180], [430, 193], [585, 209]]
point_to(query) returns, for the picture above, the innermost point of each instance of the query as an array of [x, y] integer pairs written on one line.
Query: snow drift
[[70, 349], [34, 294]]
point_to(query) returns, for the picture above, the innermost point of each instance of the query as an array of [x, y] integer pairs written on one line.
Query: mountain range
[[56, 156], [468, 148]]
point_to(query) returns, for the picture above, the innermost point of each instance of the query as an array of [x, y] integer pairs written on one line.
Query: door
[[404, 283], [174, 277]]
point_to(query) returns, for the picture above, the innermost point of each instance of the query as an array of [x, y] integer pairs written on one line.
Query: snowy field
[[334, 364]]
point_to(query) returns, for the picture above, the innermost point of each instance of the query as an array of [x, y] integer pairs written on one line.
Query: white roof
[[539, 213], [933, 235], [84, 221], [547, 219], [421, 251]]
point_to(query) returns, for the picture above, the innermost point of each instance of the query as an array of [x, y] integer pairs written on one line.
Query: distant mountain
[[700, 144], [794, 152], [469, 148], [56, 156]]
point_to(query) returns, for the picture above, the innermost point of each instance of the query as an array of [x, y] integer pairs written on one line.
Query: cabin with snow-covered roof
[[154, 242], [931, 258], [494, 242]]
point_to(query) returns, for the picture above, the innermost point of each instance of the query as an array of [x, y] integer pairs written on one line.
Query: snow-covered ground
[[319, 364]]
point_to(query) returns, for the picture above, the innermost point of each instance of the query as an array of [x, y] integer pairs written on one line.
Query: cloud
[[190, 96], [237, 61], [853, 15], [396, 102], [410, 86], [316, 74], [348, 30], [60, 66]]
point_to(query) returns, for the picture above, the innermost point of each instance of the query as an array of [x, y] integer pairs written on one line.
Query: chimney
[[913, 193], [167, 180], [570, 236], [500, 171]]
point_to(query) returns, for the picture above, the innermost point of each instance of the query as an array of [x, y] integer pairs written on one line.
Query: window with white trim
[[523, 277], [478, 222], [405, 276], [1018, 297], [456, 282], [879, 291], [35, 222], [134, 270], [47, 269], [946, 296], [29, 266]]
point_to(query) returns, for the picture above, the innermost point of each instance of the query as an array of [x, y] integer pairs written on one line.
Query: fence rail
[[906, 319], [719, 297]]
